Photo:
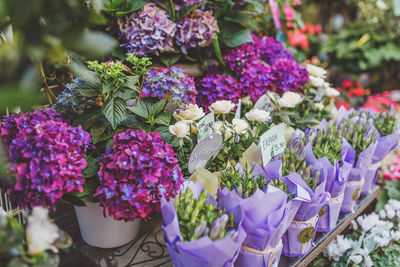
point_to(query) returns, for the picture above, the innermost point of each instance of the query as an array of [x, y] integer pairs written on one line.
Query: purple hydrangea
[[239, 57], [70, 101], [217, 87], [47, 159], [197, 30], [11, 125], [188, 2], [256, 80], [135, 173], [288, 75], [271, 50], [148, 31], [162, 82]]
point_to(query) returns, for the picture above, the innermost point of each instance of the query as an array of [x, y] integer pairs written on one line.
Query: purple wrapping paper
[[265, 224], [204, 251], [370, 178], [385, 145]]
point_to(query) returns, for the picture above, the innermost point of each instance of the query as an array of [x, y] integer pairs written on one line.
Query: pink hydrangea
[[256, 80], [137, 170]]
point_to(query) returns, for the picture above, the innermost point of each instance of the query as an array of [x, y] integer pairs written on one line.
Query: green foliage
[[282, 186], [122, 7], [328, 143], [385, 123]]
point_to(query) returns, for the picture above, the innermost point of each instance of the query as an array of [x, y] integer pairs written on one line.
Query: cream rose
[[221, 128], [240, 126], [192, 112], [222, 106], [180, 129], [290, 100], [316, 71], [40, 233], [257, 115], [246, 100], [315, 81], [331, 92]]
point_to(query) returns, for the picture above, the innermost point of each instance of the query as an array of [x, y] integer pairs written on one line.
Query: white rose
[[222, 106], [192, 112], [180, 129], [257, 115], [290, 100], [331, 92], [319, 106], [40, 233], [316, 71], [222, 128], [240, 126], [246, 100], [315, 81]]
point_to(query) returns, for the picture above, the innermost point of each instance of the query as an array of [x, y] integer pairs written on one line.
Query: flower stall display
[[198, 232], [35, 244]]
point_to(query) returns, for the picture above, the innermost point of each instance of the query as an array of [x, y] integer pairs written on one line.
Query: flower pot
[[104, 232]]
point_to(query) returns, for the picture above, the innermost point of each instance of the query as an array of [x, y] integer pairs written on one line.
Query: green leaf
[[240, 37], [140, 109], [133, 123], [74, 199], [217, 50], [84, 73], [258, 5], [382, 199], [88, 92], [132, 82], [91, 168], [115, 111], [107, 87], [169, 59], [164, 118], [157, 107], [93, 43]]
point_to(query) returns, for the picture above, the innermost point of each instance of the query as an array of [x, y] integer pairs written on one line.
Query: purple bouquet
[[257, 78], [239, 57], [196, 30], [165, 82], [265, 225], [47, 158], [203, 251], [217, 87], [135, 173], [148, 31]]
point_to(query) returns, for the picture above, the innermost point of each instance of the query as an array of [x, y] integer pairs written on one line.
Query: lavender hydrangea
[[271, 50], [239, 57], [47, 159], [197, 30], [217, 87], [288, 75], [148, 31], [135, 173], [70, 101], [173, 81], [257, 78]]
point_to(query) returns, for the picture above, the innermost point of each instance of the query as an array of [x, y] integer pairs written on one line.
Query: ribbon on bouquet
[[271, 251]]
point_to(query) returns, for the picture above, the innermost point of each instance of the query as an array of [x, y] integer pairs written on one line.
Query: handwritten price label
[[273, 143], [205, 127], [206, 149]]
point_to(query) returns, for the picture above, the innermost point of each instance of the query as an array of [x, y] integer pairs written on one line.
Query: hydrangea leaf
[[164, 118], [115, 111]]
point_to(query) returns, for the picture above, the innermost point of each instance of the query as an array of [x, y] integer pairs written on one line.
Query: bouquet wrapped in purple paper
[[197, 232], [264, 224]]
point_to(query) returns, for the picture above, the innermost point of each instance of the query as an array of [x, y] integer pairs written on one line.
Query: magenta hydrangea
[[136, 172], [271, 50], [47, 160], [162, 82], [288, 76], [217, 87], [196, 30], [257, 78], [148, 31], [239, 57]]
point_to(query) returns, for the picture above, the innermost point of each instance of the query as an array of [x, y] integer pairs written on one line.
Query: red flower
[[298, 38], [347, 83], [343, 104], [358, 91]]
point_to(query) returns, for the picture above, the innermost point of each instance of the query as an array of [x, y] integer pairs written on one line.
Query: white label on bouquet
[[261, 102], [272, 143], [205, 127], [206, 149], [238, 109]]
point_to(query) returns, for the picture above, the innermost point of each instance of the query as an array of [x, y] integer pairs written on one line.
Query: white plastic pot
[[102, 232]]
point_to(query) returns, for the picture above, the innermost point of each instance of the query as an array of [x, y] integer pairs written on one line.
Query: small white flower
[[331, 92], [40, 233], [192, 112], [315, 81], [398, 213], [394, 203], [240, 126], [390, 213], [290, 100], [222, 106], [382, 214], [316, 71], [368, 262], [319, 106], [354, 225], [180, 129], [395, 234], [257, 115], [356, 259], [381, 5], [222, 128]]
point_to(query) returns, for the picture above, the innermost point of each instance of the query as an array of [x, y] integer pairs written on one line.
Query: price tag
[[206, 149], [205, 126], [272, 143], [238, 109], [262, 102]]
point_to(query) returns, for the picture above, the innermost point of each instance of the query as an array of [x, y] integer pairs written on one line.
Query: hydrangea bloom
[[271, 50], [256, 79], [70, 101], [217, 87], [163, 81], [239, 57], [47, 160], [188, 2], [197, 30], [11, 125], [148, 31], [137, 170], [288, 75]]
